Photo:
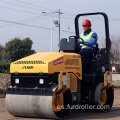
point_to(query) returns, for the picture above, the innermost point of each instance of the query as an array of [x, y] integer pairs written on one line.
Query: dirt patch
[[2, 92], [4, 83], [116, 84]]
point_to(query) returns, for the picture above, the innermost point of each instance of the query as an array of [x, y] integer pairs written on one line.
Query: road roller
[[49, 84]]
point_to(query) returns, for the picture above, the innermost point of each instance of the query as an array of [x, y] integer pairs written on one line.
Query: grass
[[5, 67]]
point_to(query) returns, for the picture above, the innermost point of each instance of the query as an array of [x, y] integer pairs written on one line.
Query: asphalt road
[[114, 114]]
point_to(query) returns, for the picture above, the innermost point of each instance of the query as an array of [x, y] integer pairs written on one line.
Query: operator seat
[[95, 51], [69, 46]]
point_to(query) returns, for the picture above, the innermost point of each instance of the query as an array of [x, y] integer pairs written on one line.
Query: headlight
[[17, 80], [41, 81]]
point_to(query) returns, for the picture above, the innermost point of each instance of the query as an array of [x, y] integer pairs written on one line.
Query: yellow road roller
[[48, 84]]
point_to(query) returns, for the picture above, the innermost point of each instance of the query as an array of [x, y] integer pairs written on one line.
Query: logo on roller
[[58, 61], [27, 67]]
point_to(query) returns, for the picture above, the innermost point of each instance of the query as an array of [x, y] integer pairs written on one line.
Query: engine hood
[[47, 62]]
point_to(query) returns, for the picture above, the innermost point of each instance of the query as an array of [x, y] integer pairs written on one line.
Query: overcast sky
[[29, 21]]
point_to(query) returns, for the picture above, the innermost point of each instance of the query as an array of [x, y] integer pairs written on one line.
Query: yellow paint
[[58, 101], [103, 98], [36, 68], [107, 73], [73, 86], [48, 67], [71, 62]]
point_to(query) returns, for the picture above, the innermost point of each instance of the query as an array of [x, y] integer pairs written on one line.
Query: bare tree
[[115, 50], [2, 50]]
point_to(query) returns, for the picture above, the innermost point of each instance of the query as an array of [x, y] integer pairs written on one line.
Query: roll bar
[[108, 41]]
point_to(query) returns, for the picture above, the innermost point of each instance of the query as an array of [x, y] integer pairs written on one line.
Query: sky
[[27, 18]]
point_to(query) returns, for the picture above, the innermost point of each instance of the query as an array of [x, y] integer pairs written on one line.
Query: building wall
[[115, 68]]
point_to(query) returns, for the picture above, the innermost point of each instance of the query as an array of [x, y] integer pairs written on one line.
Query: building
[[115, 64]]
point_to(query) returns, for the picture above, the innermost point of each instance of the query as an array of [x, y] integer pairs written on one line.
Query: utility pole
[[58, 24], [51, 28], [59, 27]]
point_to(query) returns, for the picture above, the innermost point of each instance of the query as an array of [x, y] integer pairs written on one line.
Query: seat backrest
[[68, 46], [95, 50], [101, 57]]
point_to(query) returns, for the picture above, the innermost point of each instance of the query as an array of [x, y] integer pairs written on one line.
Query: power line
[[32, 18], [100, 18], [19, 10], [34, 5], [71, 14], [44, 7], [110, 19], [33, 26], [19, 5], [22, 24], [70, 18], [113, 19], [28, 21]]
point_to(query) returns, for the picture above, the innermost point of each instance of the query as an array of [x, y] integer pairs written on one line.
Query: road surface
[[75, 115], [115, 77]]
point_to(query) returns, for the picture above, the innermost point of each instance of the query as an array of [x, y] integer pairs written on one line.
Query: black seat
[[95, 51], [101, 57], [69, 46]]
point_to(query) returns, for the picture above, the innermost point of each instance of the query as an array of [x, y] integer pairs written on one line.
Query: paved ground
[[115, 77], [76, 114]]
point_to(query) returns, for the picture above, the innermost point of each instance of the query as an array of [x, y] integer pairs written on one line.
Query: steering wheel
[[81, 39], [78, 46]]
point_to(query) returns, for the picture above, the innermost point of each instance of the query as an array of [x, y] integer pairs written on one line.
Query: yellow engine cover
[[48, 62]]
